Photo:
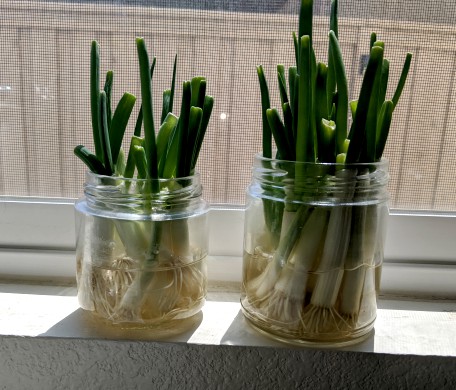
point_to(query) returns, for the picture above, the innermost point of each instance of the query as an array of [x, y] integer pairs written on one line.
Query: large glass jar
[[141, 249], [313, 250]]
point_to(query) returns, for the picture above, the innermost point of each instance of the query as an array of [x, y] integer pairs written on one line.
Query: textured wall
[[50, 363]]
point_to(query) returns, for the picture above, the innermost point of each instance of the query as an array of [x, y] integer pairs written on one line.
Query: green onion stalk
[[315, 277], [157, 170]]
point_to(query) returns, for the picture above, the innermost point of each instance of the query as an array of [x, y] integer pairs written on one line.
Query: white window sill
[[47, 341], [416, 327]]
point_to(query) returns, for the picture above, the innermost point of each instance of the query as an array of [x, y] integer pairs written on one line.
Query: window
[[44, 103]]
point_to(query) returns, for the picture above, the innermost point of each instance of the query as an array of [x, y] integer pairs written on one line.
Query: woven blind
[[44, 83]]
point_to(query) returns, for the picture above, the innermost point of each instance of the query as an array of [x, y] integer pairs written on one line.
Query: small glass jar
[[141, 249], [313, 250]]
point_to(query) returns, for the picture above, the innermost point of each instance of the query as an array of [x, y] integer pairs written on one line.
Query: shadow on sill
[[195, 330], [83, 324]]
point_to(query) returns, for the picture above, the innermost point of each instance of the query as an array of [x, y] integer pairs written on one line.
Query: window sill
[[46, 338]]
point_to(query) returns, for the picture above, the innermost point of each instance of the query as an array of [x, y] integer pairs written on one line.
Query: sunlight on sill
[[402, 327]]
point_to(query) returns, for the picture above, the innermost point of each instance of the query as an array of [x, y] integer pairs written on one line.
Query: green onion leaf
[[94, 96], [198, 86], [164, 134], [120, 164], [166, 103], [358, 131], [331, 78], [168, 168], [342, 92], [139, 121], [368, 153], [130, 166], [282, 83], [386, 114], [173, 84], [333, 22], [103, 126], [89, 159], [152, 67], [293, 86], [207, 110], [373, 39], [353, 107], [279, 133], [265, 104], [108, 89], [141, 161], [404, 73], [168, 95], [120, 122], [148, 118], [384, 84], [341, 158], [184, 153], [379, 44], [321, 107], [305, 21], [305, 138], [327, 141], [194, 124], [288, 122]]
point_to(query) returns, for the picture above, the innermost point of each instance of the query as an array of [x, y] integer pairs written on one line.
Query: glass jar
[[313, 250], [141, 249]]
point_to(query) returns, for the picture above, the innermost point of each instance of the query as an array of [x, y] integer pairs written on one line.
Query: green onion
[[318, 249], [172, 153]]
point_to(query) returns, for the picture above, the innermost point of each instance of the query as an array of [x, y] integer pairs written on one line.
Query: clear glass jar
[[313, 250], [141, 249]]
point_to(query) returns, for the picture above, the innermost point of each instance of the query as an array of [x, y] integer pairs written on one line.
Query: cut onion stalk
[[360, 256], [287, 298], [262, 286], [321, 315]]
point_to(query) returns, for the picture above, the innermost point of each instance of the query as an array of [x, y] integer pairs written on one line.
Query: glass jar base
[[336, 340], [155, 328]]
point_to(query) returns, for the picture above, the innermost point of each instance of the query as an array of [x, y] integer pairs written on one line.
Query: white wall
[[50, 363]]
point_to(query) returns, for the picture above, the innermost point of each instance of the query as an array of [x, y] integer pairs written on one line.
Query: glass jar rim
[[95, 176], [383, 163], [143, 198]]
